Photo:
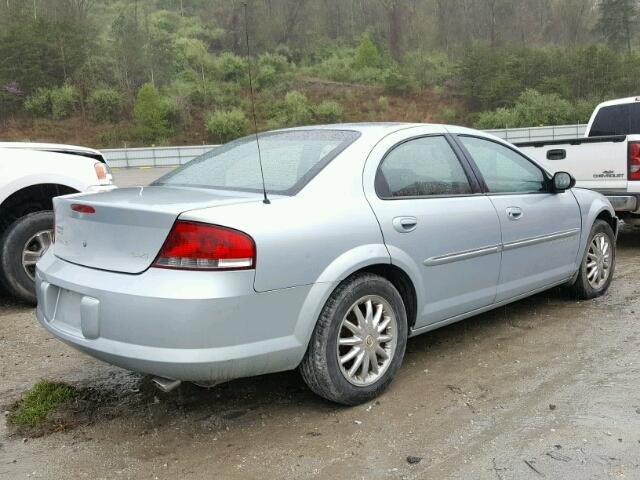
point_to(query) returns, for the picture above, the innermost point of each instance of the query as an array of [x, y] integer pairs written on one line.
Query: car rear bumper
[[624, 203], [183, 325]]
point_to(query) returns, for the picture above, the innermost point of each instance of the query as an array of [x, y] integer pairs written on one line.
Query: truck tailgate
[[598, 163]]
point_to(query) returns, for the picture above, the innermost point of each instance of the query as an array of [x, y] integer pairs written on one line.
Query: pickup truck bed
[[597, 163]]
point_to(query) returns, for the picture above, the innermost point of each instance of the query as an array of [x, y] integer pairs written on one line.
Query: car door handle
[[558, 154], [514, 213], [405, 224]]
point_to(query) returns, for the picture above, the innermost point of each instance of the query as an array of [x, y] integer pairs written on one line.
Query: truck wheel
[[358, 343], [598, 263], [23, 243]]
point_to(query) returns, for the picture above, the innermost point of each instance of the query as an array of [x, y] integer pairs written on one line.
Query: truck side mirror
[[563, 181]]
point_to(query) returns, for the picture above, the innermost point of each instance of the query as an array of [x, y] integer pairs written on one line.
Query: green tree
[[150, 113], [367, 54], [617, 22]]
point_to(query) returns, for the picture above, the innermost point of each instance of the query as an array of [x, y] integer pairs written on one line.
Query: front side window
[[504, 170], [289, 160], [421, 167]]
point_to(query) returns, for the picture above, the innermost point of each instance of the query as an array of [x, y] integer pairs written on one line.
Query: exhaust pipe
[[165, 384]]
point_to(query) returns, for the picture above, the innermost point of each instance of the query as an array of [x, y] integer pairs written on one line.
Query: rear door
[[540, 230], [436, 223], [596, 163]]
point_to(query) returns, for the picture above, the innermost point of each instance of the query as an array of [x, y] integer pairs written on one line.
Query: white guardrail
[[171, 156]]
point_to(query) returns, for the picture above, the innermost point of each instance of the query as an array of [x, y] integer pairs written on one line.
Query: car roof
[[359, 127]]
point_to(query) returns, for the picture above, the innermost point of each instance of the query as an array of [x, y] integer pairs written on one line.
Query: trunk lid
[[127, 226]]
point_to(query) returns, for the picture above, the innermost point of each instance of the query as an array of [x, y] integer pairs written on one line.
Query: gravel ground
[[543, 388]]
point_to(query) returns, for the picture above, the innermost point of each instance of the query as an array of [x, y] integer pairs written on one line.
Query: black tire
[[582, 287], [14, 277], [320, 368]]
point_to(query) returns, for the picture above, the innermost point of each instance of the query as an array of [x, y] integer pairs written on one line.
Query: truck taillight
[[103, 173], [199, 246], [634, 160]]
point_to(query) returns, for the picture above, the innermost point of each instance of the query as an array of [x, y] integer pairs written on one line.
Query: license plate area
[[67, 316]]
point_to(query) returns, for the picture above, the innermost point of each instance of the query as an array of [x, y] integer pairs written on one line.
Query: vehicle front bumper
[[182, 325]]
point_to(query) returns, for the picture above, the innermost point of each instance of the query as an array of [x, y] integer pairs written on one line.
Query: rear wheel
[[23, 244], [598, 263], [358, 343]]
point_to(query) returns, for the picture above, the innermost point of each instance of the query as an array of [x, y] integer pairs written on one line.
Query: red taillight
[[198, 246], [634, 161], [77, 207]]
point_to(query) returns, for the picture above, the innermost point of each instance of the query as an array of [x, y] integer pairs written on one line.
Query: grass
[[33, 410]]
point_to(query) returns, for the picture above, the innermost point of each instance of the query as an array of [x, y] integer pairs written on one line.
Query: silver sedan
[[363, 236]]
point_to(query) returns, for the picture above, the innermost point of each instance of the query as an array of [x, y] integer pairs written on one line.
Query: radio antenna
[[253, 103]]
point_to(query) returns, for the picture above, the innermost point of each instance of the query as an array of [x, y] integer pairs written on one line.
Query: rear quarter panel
[[321, 235]]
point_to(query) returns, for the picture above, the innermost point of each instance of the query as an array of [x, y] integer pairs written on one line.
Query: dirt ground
[[544, 388]]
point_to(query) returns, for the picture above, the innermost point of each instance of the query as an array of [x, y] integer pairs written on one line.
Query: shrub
[[63, 101], [447, 115], [231, 67], [396, 81], [367, 54], [383, 103], [150, 113], [227, 125], [428, 70], [297, 109], [500, 118], [328, 112], [39, 103], [534, 109], [106, 104]]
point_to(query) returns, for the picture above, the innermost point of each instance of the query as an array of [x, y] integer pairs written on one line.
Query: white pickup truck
[[31, 174], [606, 159]]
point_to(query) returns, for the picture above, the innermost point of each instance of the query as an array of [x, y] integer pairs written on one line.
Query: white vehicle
[[31, 175], [607, 159]]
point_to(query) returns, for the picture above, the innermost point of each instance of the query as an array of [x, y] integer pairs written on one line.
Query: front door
[[540, 230], [436, 223]]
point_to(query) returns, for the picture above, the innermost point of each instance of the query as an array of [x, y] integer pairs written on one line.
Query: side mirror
[[563, 181]]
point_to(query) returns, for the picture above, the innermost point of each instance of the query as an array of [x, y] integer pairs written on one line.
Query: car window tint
[[617, 120], [422, 167], [504, 170], [289, 160]]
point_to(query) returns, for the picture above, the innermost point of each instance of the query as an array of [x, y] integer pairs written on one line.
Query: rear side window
[[290, 159], [421, 167], [504, 170], [616, 120]]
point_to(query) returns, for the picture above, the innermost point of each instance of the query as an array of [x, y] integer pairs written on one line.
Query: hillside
[[113, 73]]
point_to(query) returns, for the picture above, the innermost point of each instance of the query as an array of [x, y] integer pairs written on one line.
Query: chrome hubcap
[[599, 260], [367, 340], [33, 250]]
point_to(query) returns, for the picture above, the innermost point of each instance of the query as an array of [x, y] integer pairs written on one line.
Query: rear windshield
[[617, 120], [289, 159]]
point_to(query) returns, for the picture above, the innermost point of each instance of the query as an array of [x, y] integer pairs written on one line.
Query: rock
[[357, 422], [552, 406], [25, 440], [411, 460], [637, 411]]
